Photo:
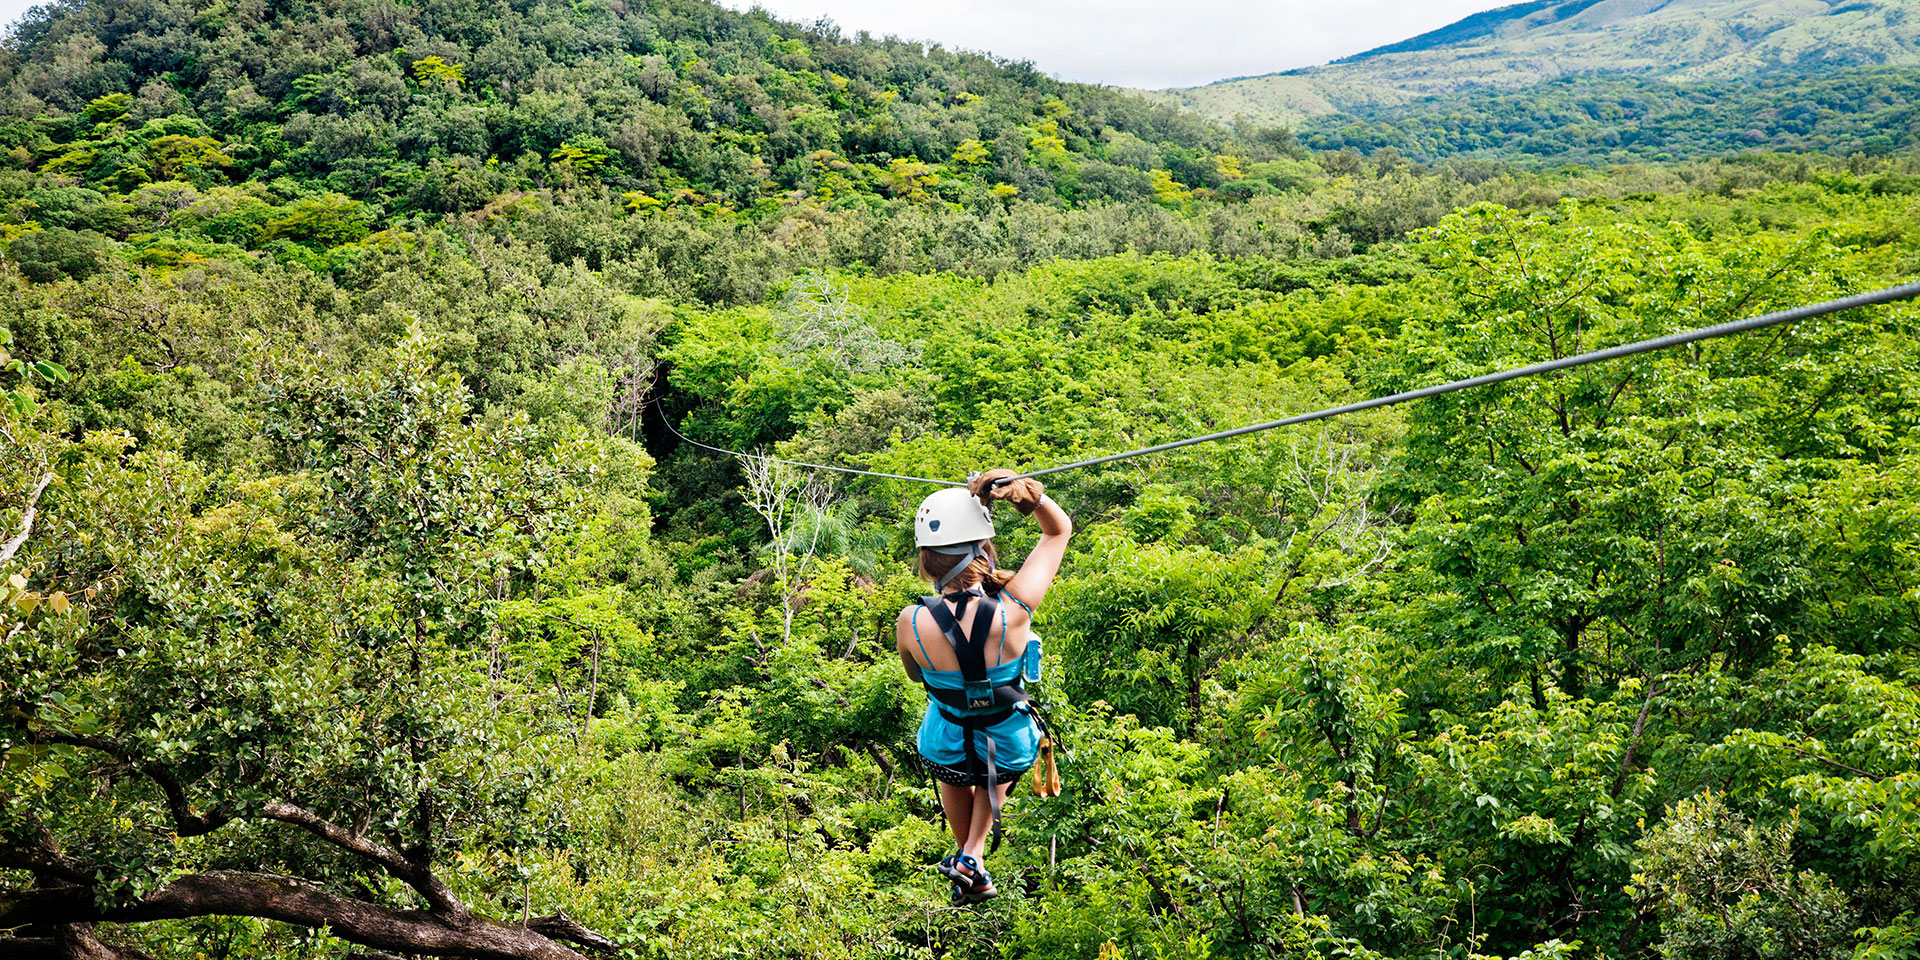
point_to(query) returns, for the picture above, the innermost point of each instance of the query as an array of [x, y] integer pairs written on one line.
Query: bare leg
[[981, 829], [958, 802]]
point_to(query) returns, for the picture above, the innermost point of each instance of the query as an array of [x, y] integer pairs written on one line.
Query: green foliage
[[1149, 631], [437, 70], [347, 417], [21, 394], [1725, 888], [326, 221], [694, 154], [1611, 119], [56, 253], [250, 638]]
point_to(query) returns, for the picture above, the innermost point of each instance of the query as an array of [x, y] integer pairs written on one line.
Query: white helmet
[[953, 522], [951, 516]]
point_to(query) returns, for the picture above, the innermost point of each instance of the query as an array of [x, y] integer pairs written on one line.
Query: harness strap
[[1001, 657], [1002, 695], [969, 646], [993, 790], [916, 637], [966, 552]]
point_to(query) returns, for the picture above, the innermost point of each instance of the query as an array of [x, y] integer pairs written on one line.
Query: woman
[[971, 652]]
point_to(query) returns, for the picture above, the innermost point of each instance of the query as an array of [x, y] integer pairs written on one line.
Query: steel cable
[[1904, 291]]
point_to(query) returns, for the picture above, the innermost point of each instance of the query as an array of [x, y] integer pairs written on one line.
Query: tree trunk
[[74, 941], [291, 901]]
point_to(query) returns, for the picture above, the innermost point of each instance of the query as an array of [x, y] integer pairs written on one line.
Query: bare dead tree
[[1336, 471], [27, 516], [817, 317], [794, 504]]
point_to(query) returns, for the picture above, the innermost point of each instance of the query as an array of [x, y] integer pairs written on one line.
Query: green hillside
[[1605, 119], [1518, 46], [192, 129]]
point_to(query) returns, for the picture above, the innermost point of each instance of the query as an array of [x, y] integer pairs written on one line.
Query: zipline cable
[[1905, 291], [815, 466]]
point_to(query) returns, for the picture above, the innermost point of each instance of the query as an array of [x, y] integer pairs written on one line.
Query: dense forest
[[703, 151], [1619, 119], [359, 598]]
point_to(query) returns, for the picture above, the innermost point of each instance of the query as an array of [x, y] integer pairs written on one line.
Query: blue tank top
[[1016, 740]]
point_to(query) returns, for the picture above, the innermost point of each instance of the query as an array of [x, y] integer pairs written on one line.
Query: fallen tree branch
[[71, 942], [226, 893], [559, 926]]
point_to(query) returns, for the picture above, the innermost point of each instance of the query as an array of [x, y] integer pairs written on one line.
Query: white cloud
[[1129, 43], [12, 10], [1142, 43]]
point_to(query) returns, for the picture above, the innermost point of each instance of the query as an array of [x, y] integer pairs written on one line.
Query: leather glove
[[1024, 493]]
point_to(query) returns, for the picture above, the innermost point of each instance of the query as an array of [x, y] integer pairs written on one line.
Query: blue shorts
[[1016, 742]]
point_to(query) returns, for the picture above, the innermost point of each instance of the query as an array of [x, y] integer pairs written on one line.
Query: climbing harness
[[1905, 291]]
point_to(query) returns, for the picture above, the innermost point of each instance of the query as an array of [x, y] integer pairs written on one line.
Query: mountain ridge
[[1528, 43], [1464, 28]]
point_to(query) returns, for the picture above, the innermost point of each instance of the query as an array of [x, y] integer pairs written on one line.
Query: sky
[[1127, 43], [10, 11], [1141, 43]]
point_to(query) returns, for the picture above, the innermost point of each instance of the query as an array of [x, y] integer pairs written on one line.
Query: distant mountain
[[1484, 24], [1679, 41]]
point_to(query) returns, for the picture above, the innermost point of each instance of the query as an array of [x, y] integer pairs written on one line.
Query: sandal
[[950, 868], [968, 878], [983, 888]]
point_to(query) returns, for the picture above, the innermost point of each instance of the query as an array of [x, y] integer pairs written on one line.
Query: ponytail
[[981, 572], [997, 581]]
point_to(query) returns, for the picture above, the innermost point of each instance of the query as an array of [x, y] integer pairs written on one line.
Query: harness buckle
[[979, 694]]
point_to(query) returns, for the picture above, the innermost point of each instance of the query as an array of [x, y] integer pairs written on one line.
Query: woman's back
[[1006, 640]]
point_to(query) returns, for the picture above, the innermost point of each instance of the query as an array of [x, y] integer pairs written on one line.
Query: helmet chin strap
[[966, 553]]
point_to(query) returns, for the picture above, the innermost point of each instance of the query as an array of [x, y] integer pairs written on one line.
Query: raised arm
[[1043, 564], [1056, 528]]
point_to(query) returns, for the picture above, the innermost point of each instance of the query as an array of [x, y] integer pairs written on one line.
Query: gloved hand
[[1024, 493]]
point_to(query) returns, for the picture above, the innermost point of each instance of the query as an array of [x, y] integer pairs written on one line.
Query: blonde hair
[[981, 572]]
